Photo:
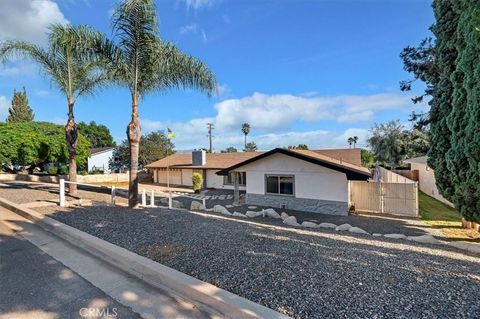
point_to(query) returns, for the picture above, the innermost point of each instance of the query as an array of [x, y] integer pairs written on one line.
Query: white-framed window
[[242, 178], [280, 184]]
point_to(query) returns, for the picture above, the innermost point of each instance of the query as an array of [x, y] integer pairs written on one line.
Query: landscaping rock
[[237, 214], [395, 236], [426, 239], [291, 220], [284, 216], [309, 225], [228, 206], [465, 245], [196, 206], [327, 225], [343, 227], [164, 200], [377, 235], [357, 230], [176, 204], [253, 214], [220, 209], [272, 213], [252, 207]]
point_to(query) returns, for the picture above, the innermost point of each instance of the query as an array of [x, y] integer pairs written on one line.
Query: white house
[[315, 181], [426, 178], [99, 159], [299, 180]]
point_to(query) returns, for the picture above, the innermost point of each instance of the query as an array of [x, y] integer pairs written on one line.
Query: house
[[99, 159], [315, 181], [426, 178]]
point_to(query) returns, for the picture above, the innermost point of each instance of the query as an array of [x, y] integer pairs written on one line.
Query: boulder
[[291, 220], [465, 245], [164, 200], [343, 227], [426, 239], [327, 225], [309, 225], [271, 213], [395, 236], [253, 214], [377, 235], [284, 216], [229, 206], [176, 204], [220, 209], [252, 207], [237, 214], [196, 206], [357, 230]]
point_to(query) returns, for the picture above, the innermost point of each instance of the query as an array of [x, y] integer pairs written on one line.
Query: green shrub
[[63, 170], [52, 170], [197, 182]]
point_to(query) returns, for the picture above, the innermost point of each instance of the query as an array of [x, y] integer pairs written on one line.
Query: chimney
[[199, 158]]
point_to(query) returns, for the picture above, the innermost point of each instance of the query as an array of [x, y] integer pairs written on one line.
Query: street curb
[[225, 303]]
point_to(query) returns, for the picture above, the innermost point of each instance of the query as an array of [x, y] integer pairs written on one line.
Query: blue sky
[[313, 72]]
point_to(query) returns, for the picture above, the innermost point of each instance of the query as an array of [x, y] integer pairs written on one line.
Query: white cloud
[[224, 90], [29, 19], [41, 93], [276, 112], [18, 69], [4, 105], [194, 29], [198, 4]]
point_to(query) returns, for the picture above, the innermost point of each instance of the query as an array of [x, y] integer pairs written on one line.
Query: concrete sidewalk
[[42, 276]]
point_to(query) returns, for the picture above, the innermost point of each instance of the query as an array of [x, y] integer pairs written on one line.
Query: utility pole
[[210, 127]]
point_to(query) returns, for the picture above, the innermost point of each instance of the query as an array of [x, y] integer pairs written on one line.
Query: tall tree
[[250, 147], [66, 62], [153, 146], [142, 62], [245, 131], [386, 143], [298, 147], [229, 149], [355, 141], [20, 111], [98, 134], [350, 141]]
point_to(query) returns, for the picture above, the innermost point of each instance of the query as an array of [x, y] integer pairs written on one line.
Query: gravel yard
[[305, 274]]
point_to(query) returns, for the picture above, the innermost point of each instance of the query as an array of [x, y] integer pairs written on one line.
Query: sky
[[311, 72]]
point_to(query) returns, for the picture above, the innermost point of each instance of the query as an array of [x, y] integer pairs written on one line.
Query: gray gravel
[[328, 275]]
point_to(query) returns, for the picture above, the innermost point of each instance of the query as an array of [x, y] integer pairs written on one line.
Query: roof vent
[[199, 158]]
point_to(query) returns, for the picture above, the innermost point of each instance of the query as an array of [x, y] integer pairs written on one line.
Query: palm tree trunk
[[134, 135], [245, 144], [71, 133]]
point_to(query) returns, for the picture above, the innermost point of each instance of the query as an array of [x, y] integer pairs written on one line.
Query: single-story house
[[315, 180], [426, 178], [99, 159]]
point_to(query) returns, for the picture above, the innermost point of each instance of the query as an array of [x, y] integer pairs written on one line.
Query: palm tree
[[355, 140], [139, 60], [245, 130], [350, 141], [72, 71]]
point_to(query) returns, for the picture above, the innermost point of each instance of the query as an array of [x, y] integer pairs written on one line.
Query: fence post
[[144, 198], [113, 196], [416, 198], [62, 192], [382, 200], [204, 202], [169, 200], [152, 198]]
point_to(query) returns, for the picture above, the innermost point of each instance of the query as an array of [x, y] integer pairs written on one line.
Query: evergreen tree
[[20, 111], [98, 134]]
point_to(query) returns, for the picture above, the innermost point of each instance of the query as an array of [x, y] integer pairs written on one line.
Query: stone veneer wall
[[301, 204]]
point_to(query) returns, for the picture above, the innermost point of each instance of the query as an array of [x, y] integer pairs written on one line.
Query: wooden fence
[[390, 194]]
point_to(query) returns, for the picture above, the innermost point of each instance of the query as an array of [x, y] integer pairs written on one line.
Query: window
[[279, 184], [242, 179]]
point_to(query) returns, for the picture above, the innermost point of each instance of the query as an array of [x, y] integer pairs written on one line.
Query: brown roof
[[97, 150], [351, 155], [353, 172], [214, 160]]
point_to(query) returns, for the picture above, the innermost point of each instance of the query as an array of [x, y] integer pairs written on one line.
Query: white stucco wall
[[100, 160], [311, 180], [426, 182]]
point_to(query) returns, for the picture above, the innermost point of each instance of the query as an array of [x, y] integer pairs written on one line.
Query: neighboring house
[[294, 179], [426, 178], [100, 158]]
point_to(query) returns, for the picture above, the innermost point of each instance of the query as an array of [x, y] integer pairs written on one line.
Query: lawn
[[438, 215]]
